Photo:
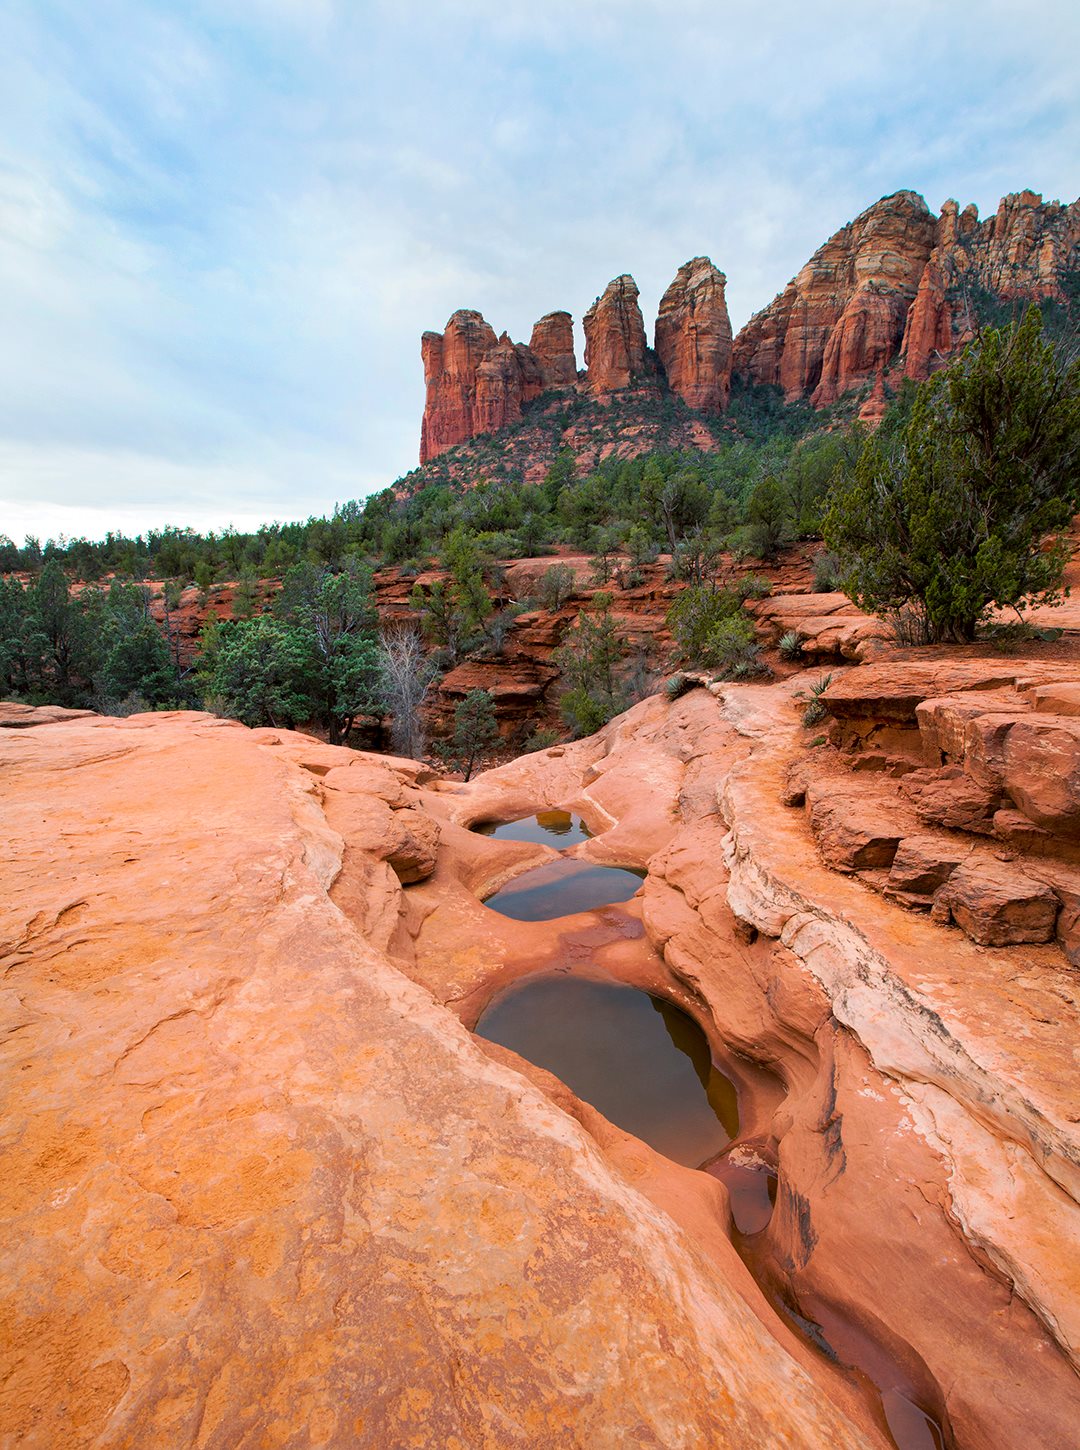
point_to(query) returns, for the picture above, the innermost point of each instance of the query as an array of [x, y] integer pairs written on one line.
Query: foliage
[[542, 738], [265, 673], [955, 517], [556, 587], [814, 708], [711, 631], [405, 678], [790, 645], [826, 573], [475, 730], [588, 659]]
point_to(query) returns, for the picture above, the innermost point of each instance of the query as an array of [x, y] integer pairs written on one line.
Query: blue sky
[[225, 223]]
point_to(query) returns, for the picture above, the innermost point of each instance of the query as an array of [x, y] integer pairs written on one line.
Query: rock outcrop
[[923, 1123], [261, 1188], [896, 291], [552, 343], [843, 316], [1025, 251], [477, 382], [451, 359], [616, 353], [693, 336]]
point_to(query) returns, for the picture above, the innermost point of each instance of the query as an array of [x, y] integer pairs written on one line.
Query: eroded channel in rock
[[651, 1070]]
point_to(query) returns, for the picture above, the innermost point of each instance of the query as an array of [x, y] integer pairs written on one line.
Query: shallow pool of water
[[562, 888], [547, 828], [638, 1059]]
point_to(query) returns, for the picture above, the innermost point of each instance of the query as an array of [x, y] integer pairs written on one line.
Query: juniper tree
[[966, 510]]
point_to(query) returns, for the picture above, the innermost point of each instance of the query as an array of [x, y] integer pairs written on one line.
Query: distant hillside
[[893, 294]]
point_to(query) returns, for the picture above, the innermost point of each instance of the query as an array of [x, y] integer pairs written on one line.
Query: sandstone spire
[[693, 335], [616, 353]]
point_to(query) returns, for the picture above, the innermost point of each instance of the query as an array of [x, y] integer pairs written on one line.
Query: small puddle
[[638, 1059], [547, 828], [562, 888]]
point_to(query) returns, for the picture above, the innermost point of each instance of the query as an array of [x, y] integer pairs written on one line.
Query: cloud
[[224, 224]]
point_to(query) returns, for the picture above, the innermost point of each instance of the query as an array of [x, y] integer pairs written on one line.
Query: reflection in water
[[910, 1427], [638, 1059], [561, 888], [547, 828]]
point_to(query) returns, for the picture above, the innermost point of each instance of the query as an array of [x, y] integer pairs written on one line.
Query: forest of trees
[[940, 514]]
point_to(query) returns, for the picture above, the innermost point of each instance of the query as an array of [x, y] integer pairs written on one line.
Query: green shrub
[[790, 645], [967, 509], [814, 710]]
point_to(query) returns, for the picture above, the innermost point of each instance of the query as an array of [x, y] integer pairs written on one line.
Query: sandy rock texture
[[924, 1129], [262, 1189]]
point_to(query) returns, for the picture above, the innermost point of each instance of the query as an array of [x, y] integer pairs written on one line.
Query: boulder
[[948, 797], [855, 829], [1041, 770], [923, 863], [997, 904]]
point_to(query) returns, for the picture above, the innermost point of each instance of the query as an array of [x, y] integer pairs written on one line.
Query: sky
[[224, 224]]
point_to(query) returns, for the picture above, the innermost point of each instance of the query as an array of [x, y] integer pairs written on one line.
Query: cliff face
[[693, 336], [896, 290], [843, 316], [616, 353], [896, 285], [552, 342], [477, 383], [1025, 250]]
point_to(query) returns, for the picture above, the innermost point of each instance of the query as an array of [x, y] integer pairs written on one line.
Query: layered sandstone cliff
[[896, 291], [843, 316], [477, 383], [693, 336], [897, 284], [1026, 250], [616, 353]]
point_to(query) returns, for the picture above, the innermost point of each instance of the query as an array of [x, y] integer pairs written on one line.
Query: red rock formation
[[895, 282], [451, 360], [1021, 252], [552, 342], [928, 335], [507, 376], [477, 383], [693, 336], [616, 354], [843, 316], [873, 410]]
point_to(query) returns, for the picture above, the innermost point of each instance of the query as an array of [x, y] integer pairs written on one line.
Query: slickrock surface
[[926, 1134], [693, 336], [261, 1189]]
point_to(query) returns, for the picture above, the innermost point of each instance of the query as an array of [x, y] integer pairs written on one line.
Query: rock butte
[[263, 1187], [893, 293]]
